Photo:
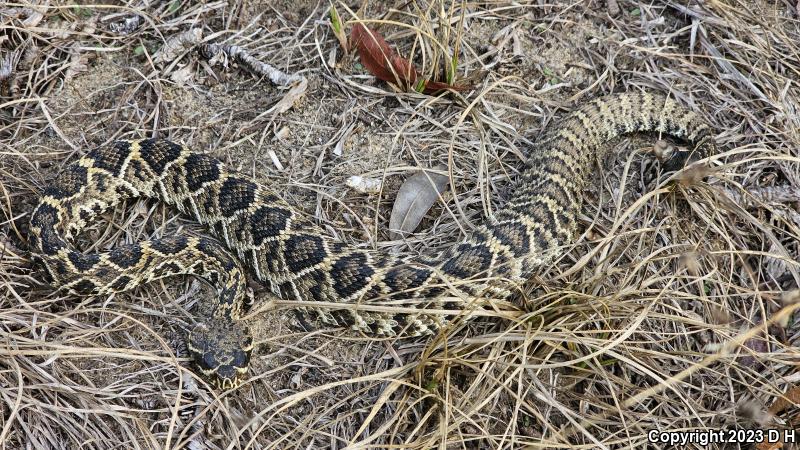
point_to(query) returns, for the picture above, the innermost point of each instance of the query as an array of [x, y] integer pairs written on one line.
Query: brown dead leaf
[[382, 61], [789, 400], [414, 199], [296, 92], [786, 401]]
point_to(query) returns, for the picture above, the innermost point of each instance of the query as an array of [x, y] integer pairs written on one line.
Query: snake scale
[[258, 232]]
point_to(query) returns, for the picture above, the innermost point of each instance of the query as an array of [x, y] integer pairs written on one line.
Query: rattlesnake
[[258, 230]]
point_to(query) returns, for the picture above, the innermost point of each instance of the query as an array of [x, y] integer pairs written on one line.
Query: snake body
[[258, 232]]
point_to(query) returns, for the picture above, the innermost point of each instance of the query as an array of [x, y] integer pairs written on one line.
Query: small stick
[[298, 83], [249, 62]]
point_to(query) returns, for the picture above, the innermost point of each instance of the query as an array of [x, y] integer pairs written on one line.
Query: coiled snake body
[[292, 254]]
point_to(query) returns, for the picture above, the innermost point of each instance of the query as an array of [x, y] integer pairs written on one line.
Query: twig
[[249, 62], [298, 83]]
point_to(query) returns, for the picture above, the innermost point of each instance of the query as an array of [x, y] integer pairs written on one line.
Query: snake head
[[221, 350], [673, 157]]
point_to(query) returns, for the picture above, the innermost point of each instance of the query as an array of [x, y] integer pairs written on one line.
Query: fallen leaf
[[296, 92], [338, 150], [516, 46], [788, 298], [382, 61], [788, 400], [769, 445], [414, 199]]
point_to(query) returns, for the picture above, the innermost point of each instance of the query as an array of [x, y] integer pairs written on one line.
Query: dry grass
[[672, 311]]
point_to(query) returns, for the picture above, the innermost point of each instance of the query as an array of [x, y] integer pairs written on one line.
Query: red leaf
[[380, 59], [383, 62]]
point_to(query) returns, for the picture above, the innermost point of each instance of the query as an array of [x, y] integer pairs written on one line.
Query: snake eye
[[241, 359], [209, 361]]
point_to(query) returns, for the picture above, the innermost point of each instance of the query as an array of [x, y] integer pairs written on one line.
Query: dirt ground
[[675, 309]]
